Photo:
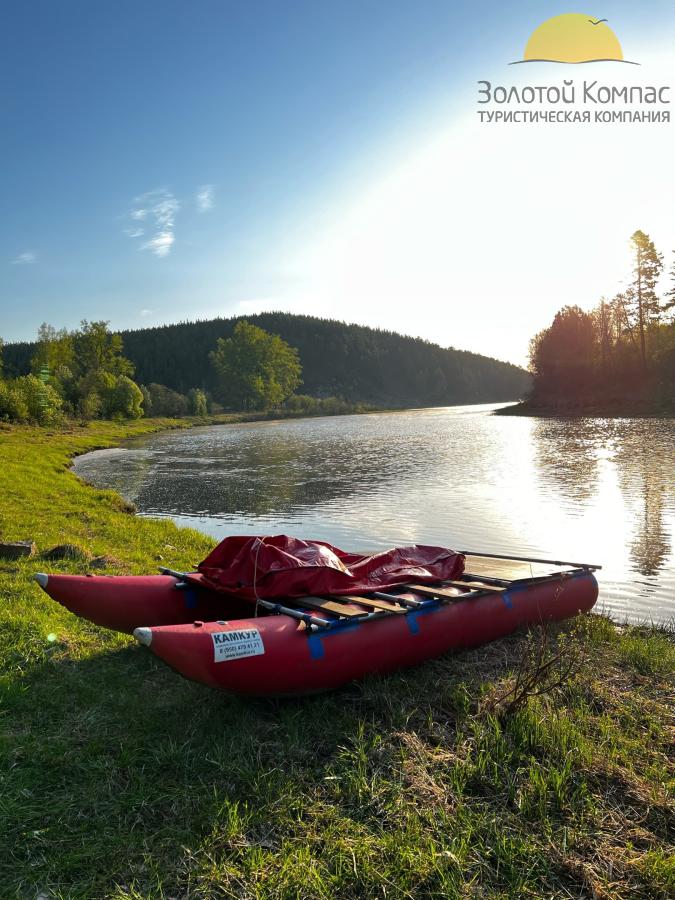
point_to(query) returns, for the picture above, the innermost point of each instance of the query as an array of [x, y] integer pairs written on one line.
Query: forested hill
[[348, 361]]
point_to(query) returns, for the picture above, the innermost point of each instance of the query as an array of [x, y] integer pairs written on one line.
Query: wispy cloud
[[157, 211], [144, 313], [25, 259], [205, 198], [160, 244]]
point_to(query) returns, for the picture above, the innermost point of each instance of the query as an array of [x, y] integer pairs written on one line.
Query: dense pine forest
[[358, 364]]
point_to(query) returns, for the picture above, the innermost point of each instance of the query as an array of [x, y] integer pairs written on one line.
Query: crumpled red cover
[[282, 566]]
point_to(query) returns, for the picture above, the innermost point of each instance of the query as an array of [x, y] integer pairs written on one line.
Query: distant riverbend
[[587, 489]]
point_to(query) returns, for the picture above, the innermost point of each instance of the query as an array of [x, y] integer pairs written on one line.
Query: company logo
[[563, 99], [573, 38]]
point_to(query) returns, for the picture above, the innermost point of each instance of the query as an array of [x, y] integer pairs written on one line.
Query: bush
[[13, 407], [110, 396], [302, 404], [126, 399], [89, 406], [198, 403], [162, 401], [42, 401]]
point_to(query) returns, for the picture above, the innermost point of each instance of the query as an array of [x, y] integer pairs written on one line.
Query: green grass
[[120, 779]]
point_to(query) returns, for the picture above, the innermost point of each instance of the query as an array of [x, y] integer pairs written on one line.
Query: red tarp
[[281, 566]]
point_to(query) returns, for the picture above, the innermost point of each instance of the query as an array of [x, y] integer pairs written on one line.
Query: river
[[589, 490]]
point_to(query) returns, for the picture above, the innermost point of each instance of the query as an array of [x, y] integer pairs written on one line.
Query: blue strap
[[191, 600], [315, 646], [413, 624]]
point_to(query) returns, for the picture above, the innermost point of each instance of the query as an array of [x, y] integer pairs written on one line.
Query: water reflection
[[593, 489], [650, 484]]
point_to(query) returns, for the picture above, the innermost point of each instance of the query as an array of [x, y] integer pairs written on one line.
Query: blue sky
[[251, 142]]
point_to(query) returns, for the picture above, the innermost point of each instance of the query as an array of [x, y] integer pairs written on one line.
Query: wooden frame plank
[[477, 584], [372, 603], [329, 605], [428, 590]]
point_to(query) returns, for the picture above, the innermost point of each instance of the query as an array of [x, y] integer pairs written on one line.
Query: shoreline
[[594, 410]]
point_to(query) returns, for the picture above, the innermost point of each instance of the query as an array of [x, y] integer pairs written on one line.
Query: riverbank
[[119, 779], [633, 407]]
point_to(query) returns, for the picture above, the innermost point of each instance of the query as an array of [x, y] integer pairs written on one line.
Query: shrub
[[165, 402], [198, 403], [13, 407], [88, 406], [126, 399], [42, 401], [110, 396]]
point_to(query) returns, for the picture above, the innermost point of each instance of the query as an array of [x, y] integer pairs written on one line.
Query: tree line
[[626, 344], [84, 374], [353, 363]]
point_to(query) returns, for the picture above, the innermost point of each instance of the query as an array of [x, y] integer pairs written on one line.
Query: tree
[[257, 370], [162, 401], [127, 398], [198, 403], [42, 402], [603, 324], [13, 407], [96, 349], [642, 304], [110, 396], [54, 349], [561, 356], [668, 307]]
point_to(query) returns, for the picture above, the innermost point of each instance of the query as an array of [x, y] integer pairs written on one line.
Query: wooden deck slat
[[429, 591], [373, 603], [331, 606], [475, 585], [507, 569]]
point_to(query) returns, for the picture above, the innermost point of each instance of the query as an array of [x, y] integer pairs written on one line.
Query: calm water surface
[[590, 490]]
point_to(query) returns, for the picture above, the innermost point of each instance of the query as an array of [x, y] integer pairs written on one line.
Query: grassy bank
[[119, 779]]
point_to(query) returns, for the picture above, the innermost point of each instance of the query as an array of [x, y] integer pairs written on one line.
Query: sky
[[168, 161]]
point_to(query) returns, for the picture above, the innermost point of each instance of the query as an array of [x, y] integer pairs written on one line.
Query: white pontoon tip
[[42, 580], [143, 636]]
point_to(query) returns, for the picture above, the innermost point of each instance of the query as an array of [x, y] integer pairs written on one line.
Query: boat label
[[236, 644]]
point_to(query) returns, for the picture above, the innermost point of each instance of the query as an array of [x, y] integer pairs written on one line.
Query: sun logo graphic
[[573, 38]]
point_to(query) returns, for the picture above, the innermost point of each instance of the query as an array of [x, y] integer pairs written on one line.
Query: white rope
[[261, 541]]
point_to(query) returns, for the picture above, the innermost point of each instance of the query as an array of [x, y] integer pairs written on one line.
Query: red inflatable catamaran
[[279, 616]]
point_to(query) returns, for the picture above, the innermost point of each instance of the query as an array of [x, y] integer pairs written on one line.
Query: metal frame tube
[[527, 559]]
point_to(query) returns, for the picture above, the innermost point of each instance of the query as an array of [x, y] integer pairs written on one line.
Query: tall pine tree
[[669, 305], [642, 304]]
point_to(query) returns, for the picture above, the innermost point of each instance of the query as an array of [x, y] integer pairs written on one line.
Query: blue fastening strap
[[315, 646], [508, 603], [413, 624], [191, 600]]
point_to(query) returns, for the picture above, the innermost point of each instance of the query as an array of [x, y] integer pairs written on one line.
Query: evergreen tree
[[641, 301], [668, 307]]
